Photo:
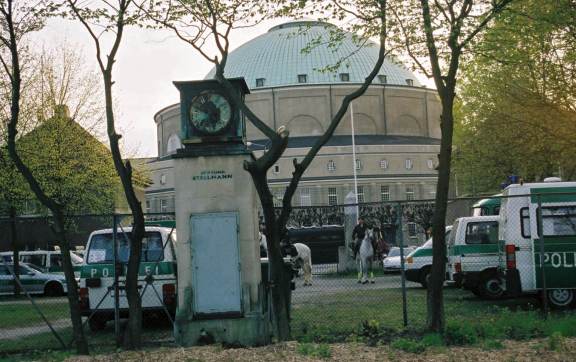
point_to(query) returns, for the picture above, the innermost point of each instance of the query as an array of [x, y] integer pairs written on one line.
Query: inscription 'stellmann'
[[212, 175]]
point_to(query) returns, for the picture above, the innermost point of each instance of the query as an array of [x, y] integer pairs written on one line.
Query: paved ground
[[13, 333], [37, 300], [322, 286]]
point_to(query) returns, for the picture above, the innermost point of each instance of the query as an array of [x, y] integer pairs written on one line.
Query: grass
[[373, 317], [314, 350], [24, 314], [469, 319], [102, 342]]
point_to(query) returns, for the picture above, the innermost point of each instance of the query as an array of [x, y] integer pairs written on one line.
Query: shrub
[[305, 349], [564, 324], [313, 350], [408, 345], [556, 342], [432, 340], [460, 334]]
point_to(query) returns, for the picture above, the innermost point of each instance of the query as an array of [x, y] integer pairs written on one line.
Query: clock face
[[210, 112]]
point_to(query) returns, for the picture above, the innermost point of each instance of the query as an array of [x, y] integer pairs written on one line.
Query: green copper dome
[[276, 59]]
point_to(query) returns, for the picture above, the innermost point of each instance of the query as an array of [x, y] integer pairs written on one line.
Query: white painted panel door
[[215, 263]]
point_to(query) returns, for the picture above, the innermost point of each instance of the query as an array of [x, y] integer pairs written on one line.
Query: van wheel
[[491, 287], [96, 323], [53, 289], [425, 277], [561, 298]]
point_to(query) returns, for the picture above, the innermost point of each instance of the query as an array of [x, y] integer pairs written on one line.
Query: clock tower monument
[[220, 291]]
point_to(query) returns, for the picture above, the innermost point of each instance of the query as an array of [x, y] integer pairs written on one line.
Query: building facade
[[396, 122]]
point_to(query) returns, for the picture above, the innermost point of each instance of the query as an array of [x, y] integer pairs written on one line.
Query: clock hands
[[210, 113], [209, 108]]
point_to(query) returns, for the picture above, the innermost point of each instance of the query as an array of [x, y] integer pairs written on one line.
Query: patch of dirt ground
[[534, 350]]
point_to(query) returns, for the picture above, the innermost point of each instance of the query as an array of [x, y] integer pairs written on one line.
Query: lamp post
[[354, 159]]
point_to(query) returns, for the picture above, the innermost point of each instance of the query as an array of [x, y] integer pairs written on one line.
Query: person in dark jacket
[[358, 234]]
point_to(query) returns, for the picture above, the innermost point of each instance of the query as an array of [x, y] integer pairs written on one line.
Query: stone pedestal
[[345, 260], [218, 185]]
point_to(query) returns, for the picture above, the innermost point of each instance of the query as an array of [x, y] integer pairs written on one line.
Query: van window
[[482, 232], [559, 221], [38, 260], [55, 260], [525, 222], [101, 248], [4, 270]]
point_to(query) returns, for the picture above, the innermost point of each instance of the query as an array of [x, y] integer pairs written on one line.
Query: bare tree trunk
[[278, 276], [15, 249], [133, 332], [73, 298], [435, 301], [132, 335]]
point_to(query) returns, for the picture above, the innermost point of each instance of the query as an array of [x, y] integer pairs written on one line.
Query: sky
[[147, 63]]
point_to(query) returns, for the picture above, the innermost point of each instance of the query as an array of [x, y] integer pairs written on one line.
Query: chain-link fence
[[494, 251], [524, 244], [35, 310]]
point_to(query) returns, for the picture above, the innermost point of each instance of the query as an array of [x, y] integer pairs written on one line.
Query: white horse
[[303, 259], [300, 257], [366, 255]]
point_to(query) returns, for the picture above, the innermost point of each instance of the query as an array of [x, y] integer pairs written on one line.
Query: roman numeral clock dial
[[210, 113]]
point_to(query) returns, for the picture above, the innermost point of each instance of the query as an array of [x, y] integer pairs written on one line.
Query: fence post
[[541, 244], [402, 272], [116, 277]]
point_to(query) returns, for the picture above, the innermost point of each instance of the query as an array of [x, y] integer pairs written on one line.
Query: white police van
[[419, 262], [473, 256], [535, 217], [157, 275]]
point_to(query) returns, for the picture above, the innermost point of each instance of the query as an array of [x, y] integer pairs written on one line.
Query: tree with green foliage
[[71, 165], [436, 37], [19, 20], [517, 108]]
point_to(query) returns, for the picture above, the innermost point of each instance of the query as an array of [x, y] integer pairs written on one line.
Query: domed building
[[396, 122]]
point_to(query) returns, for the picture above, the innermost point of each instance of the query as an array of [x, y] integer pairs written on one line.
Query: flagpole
[[354, 159]]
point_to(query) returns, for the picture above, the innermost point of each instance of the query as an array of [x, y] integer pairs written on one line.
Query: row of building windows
[[384, 164], [164, 204], [331, 195], [344, 77]]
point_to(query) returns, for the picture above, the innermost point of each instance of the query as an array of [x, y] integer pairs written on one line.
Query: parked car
[[391, 262], [33, 280], [47, 261]]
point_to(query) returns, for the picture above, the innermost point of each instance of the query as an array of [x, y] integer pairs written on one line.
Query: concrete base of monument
[[250, 328]]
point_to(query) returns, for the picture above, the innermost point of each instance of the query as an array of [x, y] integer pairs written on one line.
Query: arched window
[[173, 144]]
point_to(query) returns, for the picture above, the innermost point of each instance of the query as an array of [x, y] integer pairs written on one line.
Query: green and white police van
[[536, 216], [419, 262], [157, 275], [485, 207], [473, 255]]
